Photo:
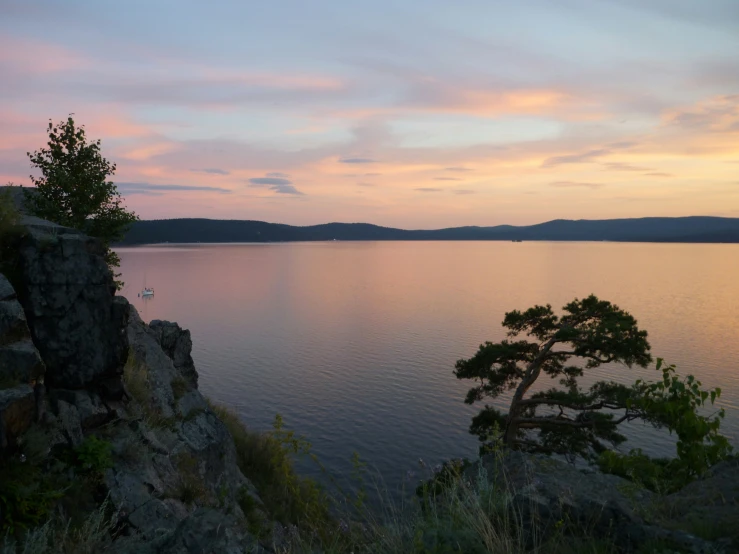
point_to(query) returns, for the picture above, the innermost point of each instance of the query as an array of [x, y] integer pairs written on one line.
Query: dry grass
[[57, 536], [136, 380]]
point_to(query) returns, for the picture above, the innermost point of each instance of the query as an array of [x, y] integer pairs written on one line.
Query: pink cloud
[[37, 57]]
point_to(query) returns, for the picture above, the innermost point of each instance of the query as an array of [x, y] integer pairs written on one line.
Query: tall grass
[[451, 512], [266, 459], [57, 536]]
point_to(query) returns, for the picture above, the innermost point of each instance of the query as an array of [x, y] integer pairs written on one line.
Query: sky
[[405, 113]]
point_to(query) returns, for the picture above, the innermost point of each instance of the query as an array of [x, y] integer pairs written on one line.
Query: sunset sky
[[407, 113]]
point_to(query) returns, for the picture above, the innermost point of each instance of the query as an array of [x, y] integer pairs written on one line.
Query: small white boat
[[147, 292]]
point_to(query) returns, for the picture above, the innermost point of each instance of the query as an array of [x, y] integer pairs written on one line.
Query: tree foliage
[[74, 189], [569, 420], [576, 422]]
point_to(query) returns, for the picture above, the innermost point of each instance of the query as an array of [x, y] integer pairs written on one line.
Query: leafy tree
[[676, 404], [74, 188], [569, 420]]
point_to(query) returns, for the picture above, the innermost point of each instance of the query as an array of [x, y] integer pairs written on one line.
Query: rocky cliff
[[90, 393]]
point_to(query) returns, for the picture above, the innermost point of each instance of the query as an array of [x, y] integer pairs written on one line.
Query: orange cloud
[[719, 114]]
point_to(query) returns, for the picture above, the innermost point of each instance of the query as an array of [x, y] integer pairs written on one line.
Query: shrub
[[93, 456], [673, 403], [27, 496]]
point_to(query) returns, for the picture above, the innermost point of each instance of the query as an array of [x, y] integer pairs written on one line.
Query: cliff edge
[[107, 409]]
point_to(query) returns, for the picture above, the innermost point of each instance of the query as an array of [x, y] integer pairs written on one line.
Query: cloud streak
[[275, 184], [150, 188], [356, 161], [574, 184], [212, 171], [585, 157]]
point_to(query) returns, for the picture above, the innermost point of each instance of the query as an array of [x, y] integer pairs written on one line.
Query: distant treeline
[[648, 229]]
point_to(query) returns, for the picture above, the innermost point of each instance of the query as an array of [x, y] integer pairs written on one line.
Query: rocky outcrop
[[710, 504], [177, 344], [68, 296], [549, 495], [179, 455], [173, 480]]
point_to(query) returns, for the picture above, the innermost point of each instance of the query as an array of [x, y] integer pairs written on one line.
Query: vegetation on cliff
[[74, 189]]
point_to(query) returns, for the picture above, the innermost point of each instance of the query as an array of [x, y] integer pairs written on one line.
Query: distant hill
[[648, 229]]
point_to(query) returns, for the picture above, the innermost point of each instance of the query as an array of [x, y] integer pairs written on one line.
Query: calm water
[[354, 342]]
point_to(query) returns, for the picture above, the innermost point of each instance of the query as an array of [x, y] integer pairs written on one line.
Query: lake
[[354, 343]]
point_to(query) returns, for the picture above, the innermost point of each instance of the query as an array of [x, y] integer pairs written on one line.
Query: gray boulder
[[544, 492], [709, 506], [205, 531], [68, 296]]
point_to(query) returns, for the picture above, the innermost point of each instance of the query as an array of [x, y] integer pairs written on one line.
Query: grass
[[452, 513], [190, 488], [266, 459]]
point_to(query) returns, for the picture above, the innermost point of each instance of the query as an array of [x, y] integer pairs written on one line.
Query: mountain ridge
[[700, 229]]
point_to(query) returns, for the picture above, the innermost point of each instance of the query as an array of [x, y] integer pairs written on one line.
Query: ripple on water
[[354, 344]]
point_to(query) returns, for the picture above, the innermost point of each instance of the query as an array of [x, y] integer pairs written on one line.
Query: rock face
[[17, 410], [112, 380], [68, 295], [177, 344], [20, 367]]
